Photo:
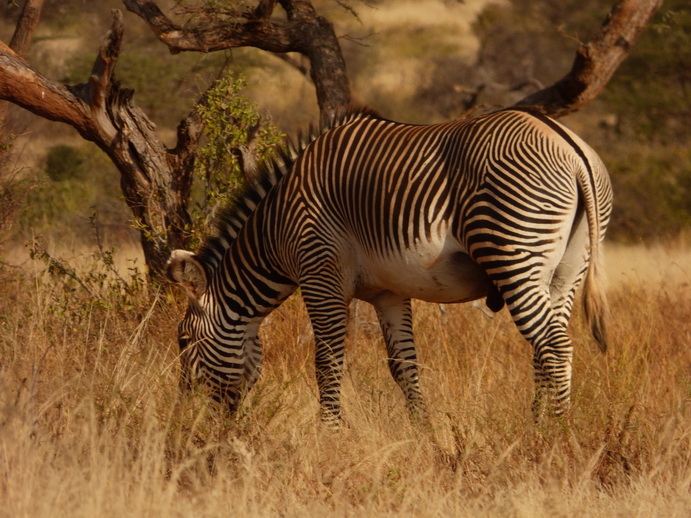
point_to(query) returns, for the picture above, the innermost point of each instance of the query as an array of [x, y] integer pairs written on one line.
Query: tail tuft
[[595, 303]]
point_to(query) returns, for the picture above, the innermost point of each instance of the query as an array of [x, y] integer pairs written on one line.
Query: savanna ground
[[92, 424]]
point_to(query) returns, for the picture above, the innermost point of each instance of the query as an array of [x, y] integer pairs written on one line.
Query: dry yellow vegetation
[[91, 422]]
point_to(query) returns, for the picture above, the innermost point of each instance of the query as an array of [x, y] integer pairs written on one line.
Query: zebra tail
[[595, 301], [594, 296]]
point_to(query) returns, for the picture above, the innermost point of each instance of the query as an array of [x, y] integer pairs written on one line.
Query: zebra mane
[[230, 219]]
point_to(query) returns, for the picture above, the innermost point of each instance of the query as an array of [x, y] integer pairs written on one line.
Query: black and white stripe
[[511, 206]]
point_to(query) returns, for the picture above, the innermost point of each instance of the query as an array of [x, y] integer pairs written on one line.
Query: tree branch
[[103, 69], [256, 32], [595, 62], [23, 86], [304, 32], [26, 25], [20, 43]]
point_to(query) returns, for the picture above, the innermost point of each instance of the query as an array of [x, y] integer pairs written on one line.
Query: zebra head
[[209, 357]]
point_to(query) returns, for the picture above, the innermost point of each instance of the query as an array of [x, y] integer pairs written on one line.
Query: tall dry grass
[[91, 423]]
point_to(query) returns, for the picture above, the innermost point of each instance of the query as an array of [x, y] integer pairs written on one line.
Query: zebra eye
[[183, 341]]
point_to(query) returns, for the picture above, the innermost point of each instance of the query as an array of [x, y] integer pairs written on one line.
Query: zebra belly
[[434, 272]]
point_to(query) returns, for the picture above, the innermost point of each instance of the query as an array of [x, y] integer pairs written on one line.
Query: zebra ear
[[185, 269]]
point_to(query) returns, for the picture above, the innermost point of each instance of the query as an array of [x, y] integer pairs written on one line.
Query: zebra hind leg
[[552, 349], [562, 290], [552, 372], [395, 318]]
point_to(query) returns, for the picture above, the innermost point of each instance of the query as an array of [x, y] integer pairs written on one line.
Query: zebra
[[511, 207]]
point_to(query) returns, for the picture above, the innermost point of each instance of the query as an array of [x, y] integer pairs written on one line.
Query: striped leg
[[552, 348], [553, 354], [395, 318], [562, 290], [521, 263], [328, 314], [253, 362], [524, 285]]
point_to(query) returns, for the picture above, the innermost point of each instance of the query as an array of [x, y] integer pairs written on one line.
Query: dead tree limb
[[303, 31]]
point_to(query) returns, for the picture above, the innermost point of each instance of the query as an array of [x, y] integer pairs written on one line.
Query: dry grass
[[91, 423]]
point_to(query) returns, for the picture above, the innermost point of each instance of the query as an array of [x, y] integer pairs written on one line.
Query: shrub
[[63, 163], [233, 128]]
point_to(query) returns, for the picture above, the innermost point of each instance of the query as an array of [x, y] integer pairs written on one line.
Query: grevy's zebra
[[509, 206]]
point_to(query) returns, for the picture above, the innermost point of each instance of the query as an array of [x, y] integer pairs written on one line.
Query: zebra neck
[[246, 287]]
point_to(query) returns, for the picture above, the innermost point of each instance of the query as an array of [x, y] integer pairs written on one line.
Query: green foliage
[[63, 162], [233, 126]]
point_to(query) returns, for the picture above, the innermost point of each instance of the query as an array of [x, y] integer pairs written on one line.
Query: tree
[[596, 62], [156, 181]]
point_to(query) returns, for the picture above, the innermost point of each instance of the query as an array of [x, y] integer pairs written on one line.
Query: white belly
[[436, 270]]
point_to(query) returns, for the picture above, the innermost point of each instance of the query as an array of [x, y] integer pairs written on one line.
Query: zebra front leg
[[395, 318], [253, 363], [328, 315]]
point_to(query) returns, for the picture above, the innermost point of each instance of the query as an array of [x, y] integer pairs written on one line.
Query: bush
[[233, 128], [63, 163], [60, 201]]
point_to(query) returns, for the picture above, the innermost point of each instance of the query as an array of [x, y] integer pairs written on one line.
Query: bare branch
[[264, 9], [304, 32], [30, 90], [596, 62], [26, 25], [257, 32], [104, 66]]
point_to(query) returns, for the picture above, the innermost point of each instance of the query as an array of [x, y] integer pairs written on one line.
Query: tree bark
[[155, 181], [303, 31], [26, 26], [595, 62]]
